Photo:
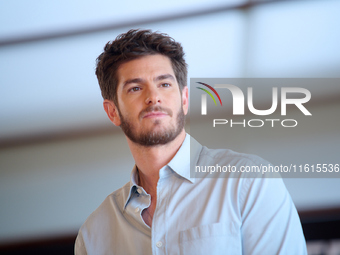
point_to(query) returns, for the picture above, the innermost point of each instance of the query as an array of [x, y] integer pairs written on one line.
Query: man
[[164, 210]]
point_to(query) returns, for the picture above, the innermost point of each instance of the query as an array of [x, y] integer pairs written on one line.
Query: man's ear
[[185, 99], [112, 112]]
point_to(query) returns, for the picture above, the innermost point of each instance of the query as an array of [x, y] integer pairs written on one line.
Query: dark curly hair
[[132, 45]]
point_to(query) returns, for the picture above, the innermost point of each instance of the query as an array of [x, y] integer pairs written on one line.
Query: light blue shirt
[[197, 215]]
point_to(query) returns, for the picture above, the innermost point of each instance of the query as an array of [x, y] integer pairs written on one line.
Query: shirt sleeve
[[271, 224], [79, 247]]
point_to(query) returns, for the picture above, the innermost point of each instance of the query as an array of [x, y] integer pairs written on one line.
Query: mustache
[[153, 108]]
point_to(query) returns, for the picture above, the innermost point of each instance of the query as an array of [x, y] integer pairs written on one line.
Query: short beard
[[153, 138]]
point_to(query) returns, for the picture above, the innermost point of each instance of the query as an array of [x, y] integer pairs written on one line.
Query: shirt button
[[137, 210], [139, 191], [159, 244]]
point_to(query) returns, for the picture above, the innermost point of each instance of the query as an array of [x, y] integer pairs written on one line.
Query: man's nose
[[152, 96]]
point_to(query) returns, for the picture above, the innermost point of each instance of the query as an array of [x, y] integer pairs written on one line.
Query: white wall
[[51, 188]]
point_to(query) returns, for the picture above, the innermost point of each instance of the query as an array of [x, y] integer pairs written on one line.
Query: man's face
[[151, 108]]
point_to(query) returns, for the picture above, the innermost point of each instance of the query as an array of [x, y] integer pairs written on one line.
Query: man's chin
[[157, 126]]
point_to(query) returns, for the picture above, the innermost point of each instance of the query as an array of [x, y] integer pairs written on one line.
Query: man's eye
[[166, 85], [134, 89]]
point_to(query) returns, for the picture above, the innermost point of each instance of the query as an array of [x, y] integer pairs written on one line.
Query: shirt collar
[[180, 164], [133, 184]]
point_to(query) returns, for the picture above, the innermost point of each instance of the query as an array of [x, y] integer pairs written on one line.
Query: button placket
[[159, 225]]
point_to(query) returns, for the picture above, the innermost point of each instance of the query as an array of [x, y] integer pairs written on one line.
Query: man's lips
[[155, 115], [155, 112]]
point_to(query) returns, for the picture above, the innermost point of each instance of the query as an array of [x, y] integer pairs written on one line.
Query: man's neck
[[150, 160]]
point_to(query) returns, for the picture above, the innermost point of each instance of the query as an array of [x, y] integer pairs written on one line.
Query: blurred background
[[59, 154]]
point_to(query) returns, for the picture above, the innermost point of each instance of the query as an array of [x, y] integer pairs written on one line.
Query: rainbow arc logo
[[213, 90], [204, 97]]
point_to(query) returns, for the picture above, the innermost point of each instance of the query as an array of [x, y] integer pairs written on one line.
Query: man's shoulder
[[230, 156], [100, 229], [109, 209]]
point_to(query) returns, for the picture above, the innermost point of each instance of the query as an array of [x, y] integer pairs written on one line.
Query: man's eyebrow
[[134, 80], [164, 77]]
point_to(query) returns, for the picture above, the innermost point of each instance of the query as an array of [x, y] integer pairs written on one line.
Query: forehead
[[145, 67]]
